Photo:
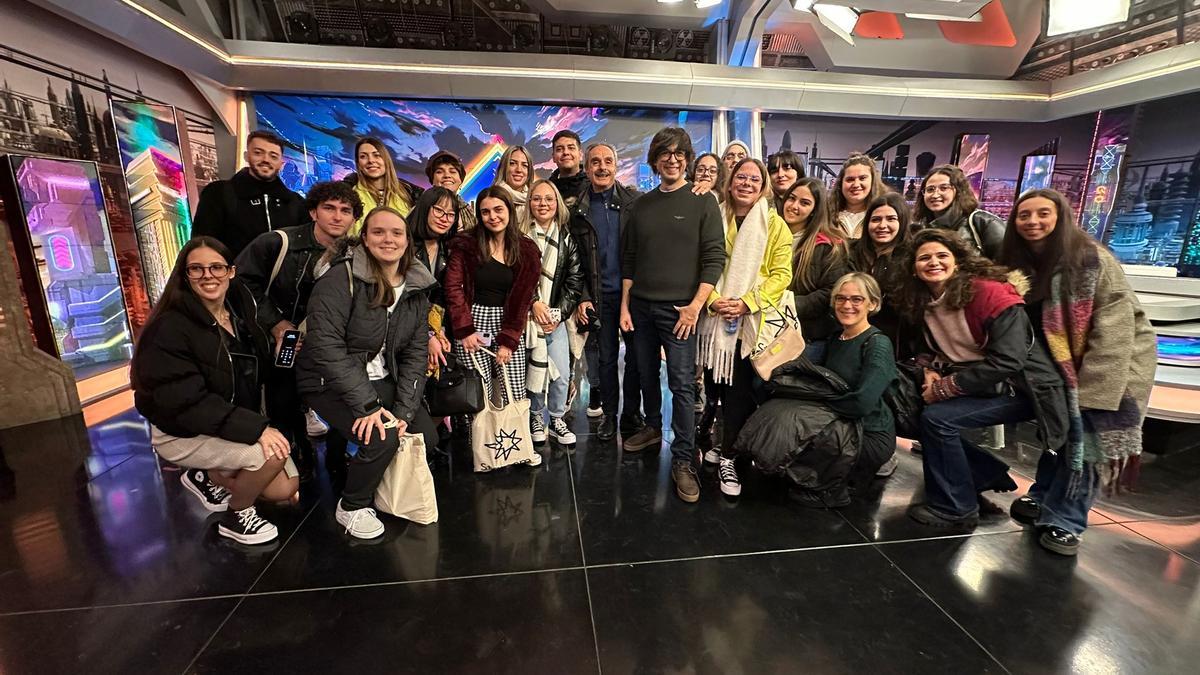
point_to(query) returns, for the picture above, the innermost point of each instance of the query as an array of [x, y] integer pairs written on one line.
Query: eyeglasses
[[677, 155], [440, 213], [747, 178], [540, 199], [706, 171], [854, 300], [934, 189], [217, 270]]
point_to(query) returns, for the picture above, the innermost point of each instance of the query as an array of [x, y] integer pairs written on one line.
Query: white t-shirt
[[852, 223], [377, 367]]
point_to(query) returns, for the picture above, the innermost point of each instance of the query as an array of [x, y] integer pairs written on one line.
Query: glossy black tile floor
[[587, 564]]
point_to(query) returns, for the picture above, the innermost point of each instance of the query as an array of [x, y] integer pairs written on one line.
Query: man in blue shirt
[[597, 219]]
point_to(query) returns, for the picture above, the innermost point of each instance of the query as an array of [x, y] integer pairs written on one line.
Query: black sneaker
[[1025, 510], [607, 429], [246, 527], [214, 497], [1058, 540]]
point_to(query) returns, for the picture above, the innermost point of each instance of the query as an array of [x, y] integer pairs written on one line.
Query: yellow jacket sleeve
[[776, 270]]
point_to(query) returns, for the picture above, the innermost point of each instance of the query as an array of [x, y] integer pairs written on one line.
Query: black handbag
[[458, 391], [904, 396]]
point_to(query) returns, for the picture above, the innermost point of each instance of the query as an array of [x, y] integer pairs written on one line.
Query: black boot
[[704, 428]]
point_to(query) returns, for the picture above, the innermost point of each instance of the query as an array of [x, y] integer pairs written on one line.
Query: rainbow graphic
[[482, 170]]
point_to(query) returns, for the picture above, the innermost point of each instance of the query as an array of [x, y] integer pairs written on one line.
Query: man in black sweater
[[254, 201], [673, 256]]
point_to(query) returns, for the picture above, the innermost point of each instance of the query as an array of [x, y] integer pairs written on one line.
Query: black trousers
[[371, 461], [286, 410], [739, 400]]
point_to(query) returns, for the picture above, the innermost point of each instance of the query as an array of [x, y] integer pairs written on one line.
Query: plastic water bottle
[[731, 325]]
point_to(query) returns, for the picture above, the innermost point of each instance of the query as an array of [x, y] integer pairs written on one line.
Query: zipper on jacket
[[267, 210]]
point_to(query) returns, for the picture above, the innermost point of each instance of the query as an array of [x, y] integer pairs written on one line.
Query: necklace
[[843, 336]]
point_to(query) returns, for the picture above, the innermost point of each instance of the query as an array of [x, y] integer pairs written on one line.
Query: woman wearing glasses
[[947, 202], [197, 378], [758, 269], [433, 222], [708, 172]]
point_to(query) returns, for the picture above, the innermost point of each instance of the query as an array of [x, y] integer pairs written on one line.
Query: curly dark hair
[[911, 295], [333, 191]]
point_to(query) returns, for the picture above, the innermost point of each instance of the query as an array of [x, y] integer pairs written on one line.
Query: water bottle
[[731, 325]]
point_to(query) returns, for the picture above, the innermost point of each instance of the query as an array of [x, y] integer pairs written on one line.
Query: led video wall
[[971, 155], [148, 139], [321, 132], [65, 238]]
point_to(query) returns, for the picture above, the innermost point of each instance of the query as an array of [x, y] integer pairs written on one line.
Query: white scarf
[[743, 273], [540, 371], [520, 202]]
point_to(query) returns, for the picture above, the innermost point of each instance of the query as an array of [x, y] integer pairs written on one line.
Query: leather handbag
[[457, 390], [406, 490], [779, 337], [500, 434]]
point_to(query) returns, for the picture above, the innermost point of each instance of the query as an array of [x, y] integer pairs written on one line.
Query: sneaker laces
[[559, 426], [727, 472], [217, 493], [357, 515], [250, 519]]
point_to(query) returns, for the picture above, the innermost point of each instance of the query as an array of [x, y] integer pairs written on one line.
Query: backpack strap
[[975, 231], [283, 249]]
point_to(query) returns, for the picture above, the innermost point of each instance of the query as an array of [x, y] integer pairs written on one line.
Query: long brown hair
[[391, 182], [1064, 250], [862, 250], [804, 275], [877, 187], [964, 197], [383, 286], [911, 295], [511, 235], [177, 288]]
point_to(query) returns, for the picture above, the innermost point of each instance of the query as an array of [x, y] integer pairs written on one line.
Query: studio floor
[[586, 564]]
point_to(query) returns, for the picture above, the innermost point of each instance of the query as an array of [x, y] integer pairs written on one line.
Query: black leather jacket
[[983, 229], [588, 241], [568, 278]]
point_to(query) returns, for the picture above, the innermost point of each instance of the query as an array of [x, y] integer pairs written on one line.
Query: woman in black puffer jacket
[[947, 202], [197, 378], [363, 363]]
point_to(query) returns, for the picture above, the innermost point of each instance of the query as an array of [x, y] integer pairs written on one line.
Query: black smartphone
[[287, 349]]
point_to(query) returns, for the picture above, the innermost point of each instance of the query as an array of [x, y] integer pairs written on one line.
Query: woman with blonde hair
[[858, 184], [758, 269], [376, 182], [515, 176], [559, 288]]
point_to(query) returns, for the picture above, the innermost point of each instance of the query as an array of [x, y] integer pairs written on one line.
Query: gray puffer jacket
[[345, 332]]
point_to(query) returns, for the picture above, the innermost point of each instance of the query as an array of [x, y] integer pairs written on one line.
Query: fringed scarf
[[1104, 445], [540, 371], [718, 347]]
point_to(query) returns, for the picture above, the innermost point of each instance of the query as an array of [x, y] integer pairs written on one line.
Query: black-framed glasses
[[440, 213], [678, 155], [706, 171], [216, 270]]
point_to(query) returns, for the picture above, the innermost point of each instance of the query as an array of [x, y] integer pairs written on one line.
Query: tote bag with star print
[[500, 435]]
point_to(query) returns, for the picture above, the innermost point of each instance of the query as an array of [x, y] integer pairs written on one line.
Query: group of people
[[541, 279]]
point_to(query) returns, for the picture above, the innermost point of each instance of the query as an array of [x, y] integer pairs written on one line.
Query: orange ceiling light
[[879, 25], [993, 30]]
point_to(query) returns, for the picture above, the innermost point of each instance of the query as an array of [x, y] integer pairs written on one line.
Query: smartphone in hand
[[286, 357]]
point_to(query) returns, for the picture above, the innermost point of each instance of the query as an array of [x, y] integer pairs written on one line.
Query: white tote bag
[[500, 434], [406, 490]]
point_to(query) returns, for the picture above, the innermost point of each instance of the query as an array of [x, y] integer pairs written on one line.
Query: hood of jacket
[[417, 278], [247, 186]]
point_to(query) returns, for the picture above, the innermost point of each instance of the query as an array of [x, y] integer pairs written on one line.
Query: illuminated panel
[[1105, 175]]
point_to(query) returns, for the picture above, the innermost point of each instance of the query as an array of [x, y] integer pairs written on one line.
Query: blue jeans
[[814, 350], [558, 345], [609, 353], [957, 470], [653, 326], [1050, 490]]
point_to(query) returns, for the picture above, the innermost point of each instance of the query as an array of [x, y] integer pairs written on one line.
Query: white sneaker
[[560, 432], [537, 428], [712, 456], [313, 424], [537, 459], [361, 523], [889, 467], [727, 475], [595, 412]]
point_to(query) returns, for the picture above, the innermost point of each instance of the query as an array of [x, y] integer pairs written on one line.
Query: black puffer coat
[[183, 375], [796, 435], [345, 332]]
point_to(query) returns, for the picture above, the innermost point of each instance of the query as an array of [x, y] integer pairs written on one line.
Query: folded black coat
[[796, 435]]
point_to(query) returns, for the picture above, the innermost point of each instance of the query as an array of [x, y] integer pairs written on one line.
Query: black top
[[237, 210], [493, 281], [246, 392], [673, 242]]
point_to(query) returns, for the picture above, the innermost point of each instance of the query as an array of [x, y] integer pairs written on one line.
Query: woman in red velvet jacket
[[490, 281]]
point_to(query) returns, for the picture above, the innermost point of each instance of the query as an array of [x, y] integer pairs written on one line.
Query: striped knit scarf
[[1105, 443], [540, 371]]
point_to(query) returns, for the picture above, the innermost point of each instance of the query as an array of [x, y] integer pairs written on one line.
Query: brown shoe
[[644, 438], [686, 484]]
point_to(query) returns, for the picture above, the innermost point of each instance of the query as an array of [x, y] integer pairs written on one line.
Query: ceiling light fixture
[[705, 4], [669, 2], [803, 5], [1072, 16], [841, 20]]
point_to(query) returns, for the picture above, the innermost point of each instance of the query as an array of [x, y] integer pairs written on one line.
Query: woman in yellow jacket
[[376, 182], [758, 269]]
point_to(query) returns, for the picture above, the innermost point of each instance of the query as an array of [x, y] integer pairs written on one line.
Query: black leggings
[[372, 459]]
